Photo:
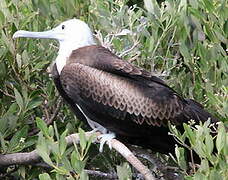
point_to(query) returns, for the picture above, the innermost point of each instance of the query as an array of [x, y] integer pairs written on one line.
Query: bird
[[113, 96]]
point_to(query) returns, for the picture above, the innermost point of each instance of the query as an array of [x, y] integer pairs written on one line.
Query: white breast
[[60, 62]]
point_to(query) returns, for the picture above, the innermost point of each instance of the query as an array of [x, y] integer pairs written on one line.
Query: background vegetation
[[183, 42]]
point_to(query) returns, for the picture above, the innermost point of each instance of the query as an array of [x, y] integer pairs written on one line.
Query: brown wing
[[120, 96], [101, 58]]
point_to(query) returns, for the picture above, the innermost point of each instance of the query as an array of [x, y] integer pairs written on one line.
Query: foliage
[[183, 42], [213, 156], [62, 167]]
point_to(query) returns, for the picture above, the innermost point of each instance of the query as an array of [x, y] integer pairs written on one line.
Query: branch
[[33, 157], [7, 94], [57, 108], [101, 174], [19, 158], [129, 50], [131, 158]]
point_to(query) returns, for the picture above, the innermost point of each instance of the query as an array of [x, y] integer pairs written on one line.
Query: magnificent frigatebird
[[113, 95]]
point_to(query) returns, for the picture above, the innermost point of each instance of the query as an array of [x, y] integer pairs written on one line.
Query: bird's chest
[[60, 62]]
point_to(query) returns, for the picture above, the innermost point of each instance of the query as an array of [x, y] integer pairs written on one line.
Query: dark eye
[[63, 27]]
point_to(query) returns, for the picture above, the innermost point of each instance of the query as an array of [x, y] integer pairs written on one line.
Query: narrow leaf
[[82, 137], [19, 98], [42, 126], [42, 150], [44, 176], [190, 134], [209, 144], [62, 143], [221, 138]]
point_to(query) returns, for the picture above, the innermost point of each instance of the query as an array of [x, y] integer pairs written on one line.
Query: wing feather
[[101, 58], [113, 92]]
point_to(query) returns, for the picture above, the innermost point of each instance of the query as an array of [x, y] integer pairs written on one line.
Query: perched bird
[[114, 96]]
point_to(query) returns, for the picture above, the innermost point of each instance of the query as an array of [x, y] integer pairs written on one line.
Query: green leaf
[[221, 138], [3, 71], [82, 138], [66, 163], [215, 175], [190, 134], [3, 124], [84, 176], [200, 148], [209, 144], [62, 142], [19, 98], [43, 151], [152, 7], [3, 143], [74, 159], [89, 141], [180, 154], [2, 19], [77, 164], [124, 172], [44, 176], [51, 131], [40, 65], [199, 176], [61, 177], [56, 131], [42, 126], [209, 5], [35, 102], [21, 171], [14, 144], [204, 166], [184, 51], [54, 148], [19, 62]]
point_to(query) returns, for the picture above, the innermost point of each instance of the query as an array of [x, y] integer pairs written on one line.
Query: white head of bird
[[71, 34]]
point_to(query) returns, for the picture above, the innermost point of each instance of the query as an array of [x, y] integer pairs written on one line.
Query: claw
[[106, 138]]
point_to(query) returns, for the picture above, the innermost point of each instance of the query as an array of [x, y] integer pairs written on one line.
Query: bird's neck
[[65, 51]]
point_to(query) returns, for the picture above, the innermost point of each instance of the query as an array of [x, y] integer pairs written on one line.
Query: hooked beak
[[51, 34]]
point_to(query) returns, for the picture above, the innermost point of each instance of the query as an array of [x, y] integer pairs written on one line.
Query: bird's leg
[[106, 136], [96, 126]]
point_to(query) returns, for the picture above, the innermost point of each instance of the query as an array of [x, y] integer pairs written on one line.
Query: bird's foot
[[106, 138]]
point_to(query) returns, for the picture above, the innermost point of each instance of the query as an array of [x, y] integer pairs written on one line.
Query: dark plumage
[[123, 98]]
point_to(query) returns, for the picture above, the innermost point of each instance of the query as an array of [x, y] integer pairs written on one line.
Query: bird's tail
[[196, 112]]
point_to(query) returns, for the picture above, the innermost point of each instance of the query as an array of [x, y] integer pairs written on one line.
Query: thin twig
[[47, 119], [134, 57], [7, 94], [110, 175], [192, 161], [129, 50], [101, 174], [57, 108]]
